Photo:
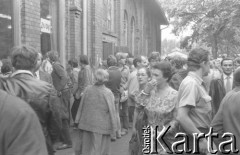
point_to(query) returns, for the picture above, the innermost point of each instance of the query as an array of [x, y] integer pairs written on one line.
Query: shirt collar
[[21, 72], [225, 76], [196, 77]]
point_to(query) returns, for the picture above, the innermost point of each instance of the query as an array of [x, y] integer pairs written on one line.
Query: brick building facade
[[96, 28]]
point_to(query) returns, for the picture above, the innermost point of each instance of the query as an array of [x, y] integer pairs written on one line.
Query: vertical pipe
[[16, 22], [62, 31], [85, 39]]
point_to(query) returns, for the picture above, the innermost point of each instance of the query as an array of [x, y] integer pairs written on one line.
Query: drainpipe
[[62, 30], [16, 22], [85, 39]]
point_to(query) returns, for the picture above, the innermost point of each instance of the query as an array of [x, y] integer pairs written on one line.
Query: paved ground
[[119, 147]]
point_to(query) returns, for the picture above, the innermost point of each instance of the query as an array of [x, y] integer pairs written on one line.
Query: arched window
[[133, 35], [125, 28]]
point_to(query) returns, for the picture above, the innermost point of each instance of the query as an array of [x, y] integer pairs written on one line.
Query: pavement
[[119, 147]]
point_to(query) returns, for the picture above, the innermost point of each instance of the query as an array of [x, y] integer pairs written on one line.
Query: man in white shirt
[[227, 77]]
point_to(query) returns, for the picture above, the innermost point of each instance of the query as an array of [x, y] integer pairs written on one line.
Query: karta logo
[[152, 138]]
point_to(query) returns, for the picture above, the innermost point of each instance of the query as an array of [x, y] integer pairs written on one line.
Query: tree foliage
[[169, 45], [215, 23]]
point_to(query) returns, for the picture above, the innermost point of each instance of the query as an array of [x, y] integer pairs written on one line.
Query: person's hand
[[203, 146], [150, 85]]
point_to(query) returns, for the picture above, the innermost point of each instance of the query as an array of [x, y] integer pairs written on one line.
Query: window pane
[[6, 28]]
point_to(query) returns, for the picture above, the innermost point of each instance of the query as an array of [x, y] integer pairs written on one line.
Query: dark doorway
[[108, 49]]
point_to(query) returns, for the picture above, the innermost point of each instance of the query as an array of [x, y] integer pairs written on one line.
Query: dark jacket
[[20, 130], [59, 76], [41, 97], [114, 80], [85, 78], [217, 92]]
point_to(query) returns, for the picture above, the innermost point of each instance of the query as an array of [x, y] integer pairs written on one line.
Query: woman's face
[[142, 76], [158, 76]]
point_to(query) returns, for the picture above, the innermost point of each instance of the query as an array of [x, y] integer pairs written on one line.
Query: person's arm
[[62, 75], [185, 121]]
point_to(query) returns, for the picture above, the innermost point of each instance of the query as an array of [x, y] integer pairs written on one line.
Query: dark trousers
[[65, 133], [131, 110], [74, 108], [124, 114], [49, 146]]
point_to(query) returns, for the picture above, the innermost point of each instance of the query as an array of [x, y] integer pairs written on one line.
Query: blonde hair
[[101, 76]]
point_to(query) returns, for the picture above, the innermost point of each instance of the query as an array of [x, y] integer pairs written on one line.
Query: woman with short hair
[[96, 116], [159, 101]]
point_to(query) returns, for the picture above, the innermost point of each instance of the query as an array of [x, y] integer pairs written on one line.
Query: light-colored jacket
[[96, 112]]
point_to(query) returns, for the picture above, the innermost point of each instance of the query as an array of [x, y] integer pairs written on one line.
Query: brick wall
[[75, 29], [147, 37], [67, 30], [30, 23]]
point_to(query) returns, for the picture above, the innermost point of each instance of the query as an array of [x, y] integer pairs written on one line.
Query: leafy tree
[[214, 22]]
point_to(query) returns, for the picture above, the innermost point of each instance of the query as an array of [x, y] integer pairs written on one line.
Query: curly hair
[[24, 57]]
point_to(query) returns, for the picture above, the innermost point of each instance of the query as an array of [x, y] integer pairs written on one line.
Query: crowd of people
[[40, 100]]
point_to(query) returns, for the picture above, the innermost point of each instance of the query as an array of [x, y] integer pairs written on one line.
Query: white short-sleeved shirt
[[192, 93]]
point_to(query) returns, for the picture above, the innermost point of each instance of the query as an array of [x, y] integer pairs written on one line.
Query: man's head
[[227, 66], [53, 56], [154, 58], [6, 66], [73, 63], [111, 61], [122, 59], [137, 62], [198, 59], [83, 60], [24, 58], [177, 62], [144, 61]]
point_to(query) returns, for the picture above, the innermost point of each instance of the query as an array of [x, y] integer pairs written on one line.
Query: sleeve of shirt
[[189, 95], [61, 73]]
